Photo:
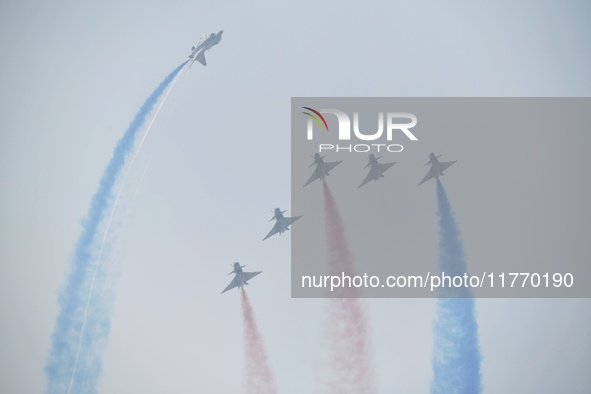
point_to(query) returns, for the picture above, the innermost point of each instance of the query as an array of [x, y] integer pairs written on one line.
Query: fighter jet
[[241, 277], [376, 170], [205, 43], [322, 168], [282, 223], [437, 167]]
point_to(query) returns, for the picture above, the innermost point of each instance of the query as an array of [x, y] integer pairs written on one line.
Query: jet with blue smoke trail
[[456, 358], [83, 322], [437, 167], [205, 43]]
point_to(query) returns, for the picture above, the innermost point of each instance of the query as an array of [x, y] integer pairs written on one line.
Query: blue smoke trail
[[456, 359], [82, 327]]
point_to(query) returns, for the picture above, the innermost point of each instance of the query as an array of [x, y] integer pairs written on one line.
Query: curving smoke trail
[[456, 359], [258, 377], [83, 322], [347, 328]]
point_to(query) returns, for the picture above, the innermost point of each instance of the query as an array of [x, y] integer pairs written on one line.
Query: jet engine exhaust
[[456, 358], [350, 358], [258, 377], [82, 327]]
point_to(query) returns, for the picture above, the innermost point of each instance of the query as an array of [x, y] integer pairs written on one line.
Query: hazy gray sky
[[218, 160]]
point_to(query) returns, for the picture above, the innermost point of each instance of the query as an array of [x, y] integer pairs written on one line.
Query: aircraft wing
[[367, 179], [274, 230], [315, 175], [289, 221], [235, 283], [371, 177], [430, 174], [331, 165], [385, 166], [201, 58], [446, 164], [318, 172], [249, 275]]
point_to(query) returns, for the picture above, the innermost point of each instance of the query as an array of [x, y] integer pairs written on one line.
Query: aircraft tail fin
[[201, 58]]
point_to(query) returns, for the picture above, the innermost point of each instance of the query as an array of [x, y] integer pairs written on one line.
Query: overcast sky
[[217, 161]]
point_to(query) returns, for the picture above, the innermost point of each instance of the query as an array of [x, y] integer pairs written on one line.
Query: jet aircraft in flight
[[282, 223], [322, 168], [241, 277], [376, 170], [205, 43], [437, 167]]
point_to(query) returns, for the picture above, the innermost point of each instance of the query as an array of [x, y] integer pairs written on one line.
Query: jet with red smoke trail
[[241, 277], [376, 170], [322, 168], [282, 223], [437, 167]]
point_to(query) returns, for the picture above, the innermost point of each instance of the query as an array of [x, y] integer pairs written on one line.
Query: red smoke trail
[[258, 377], [350, 348]]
